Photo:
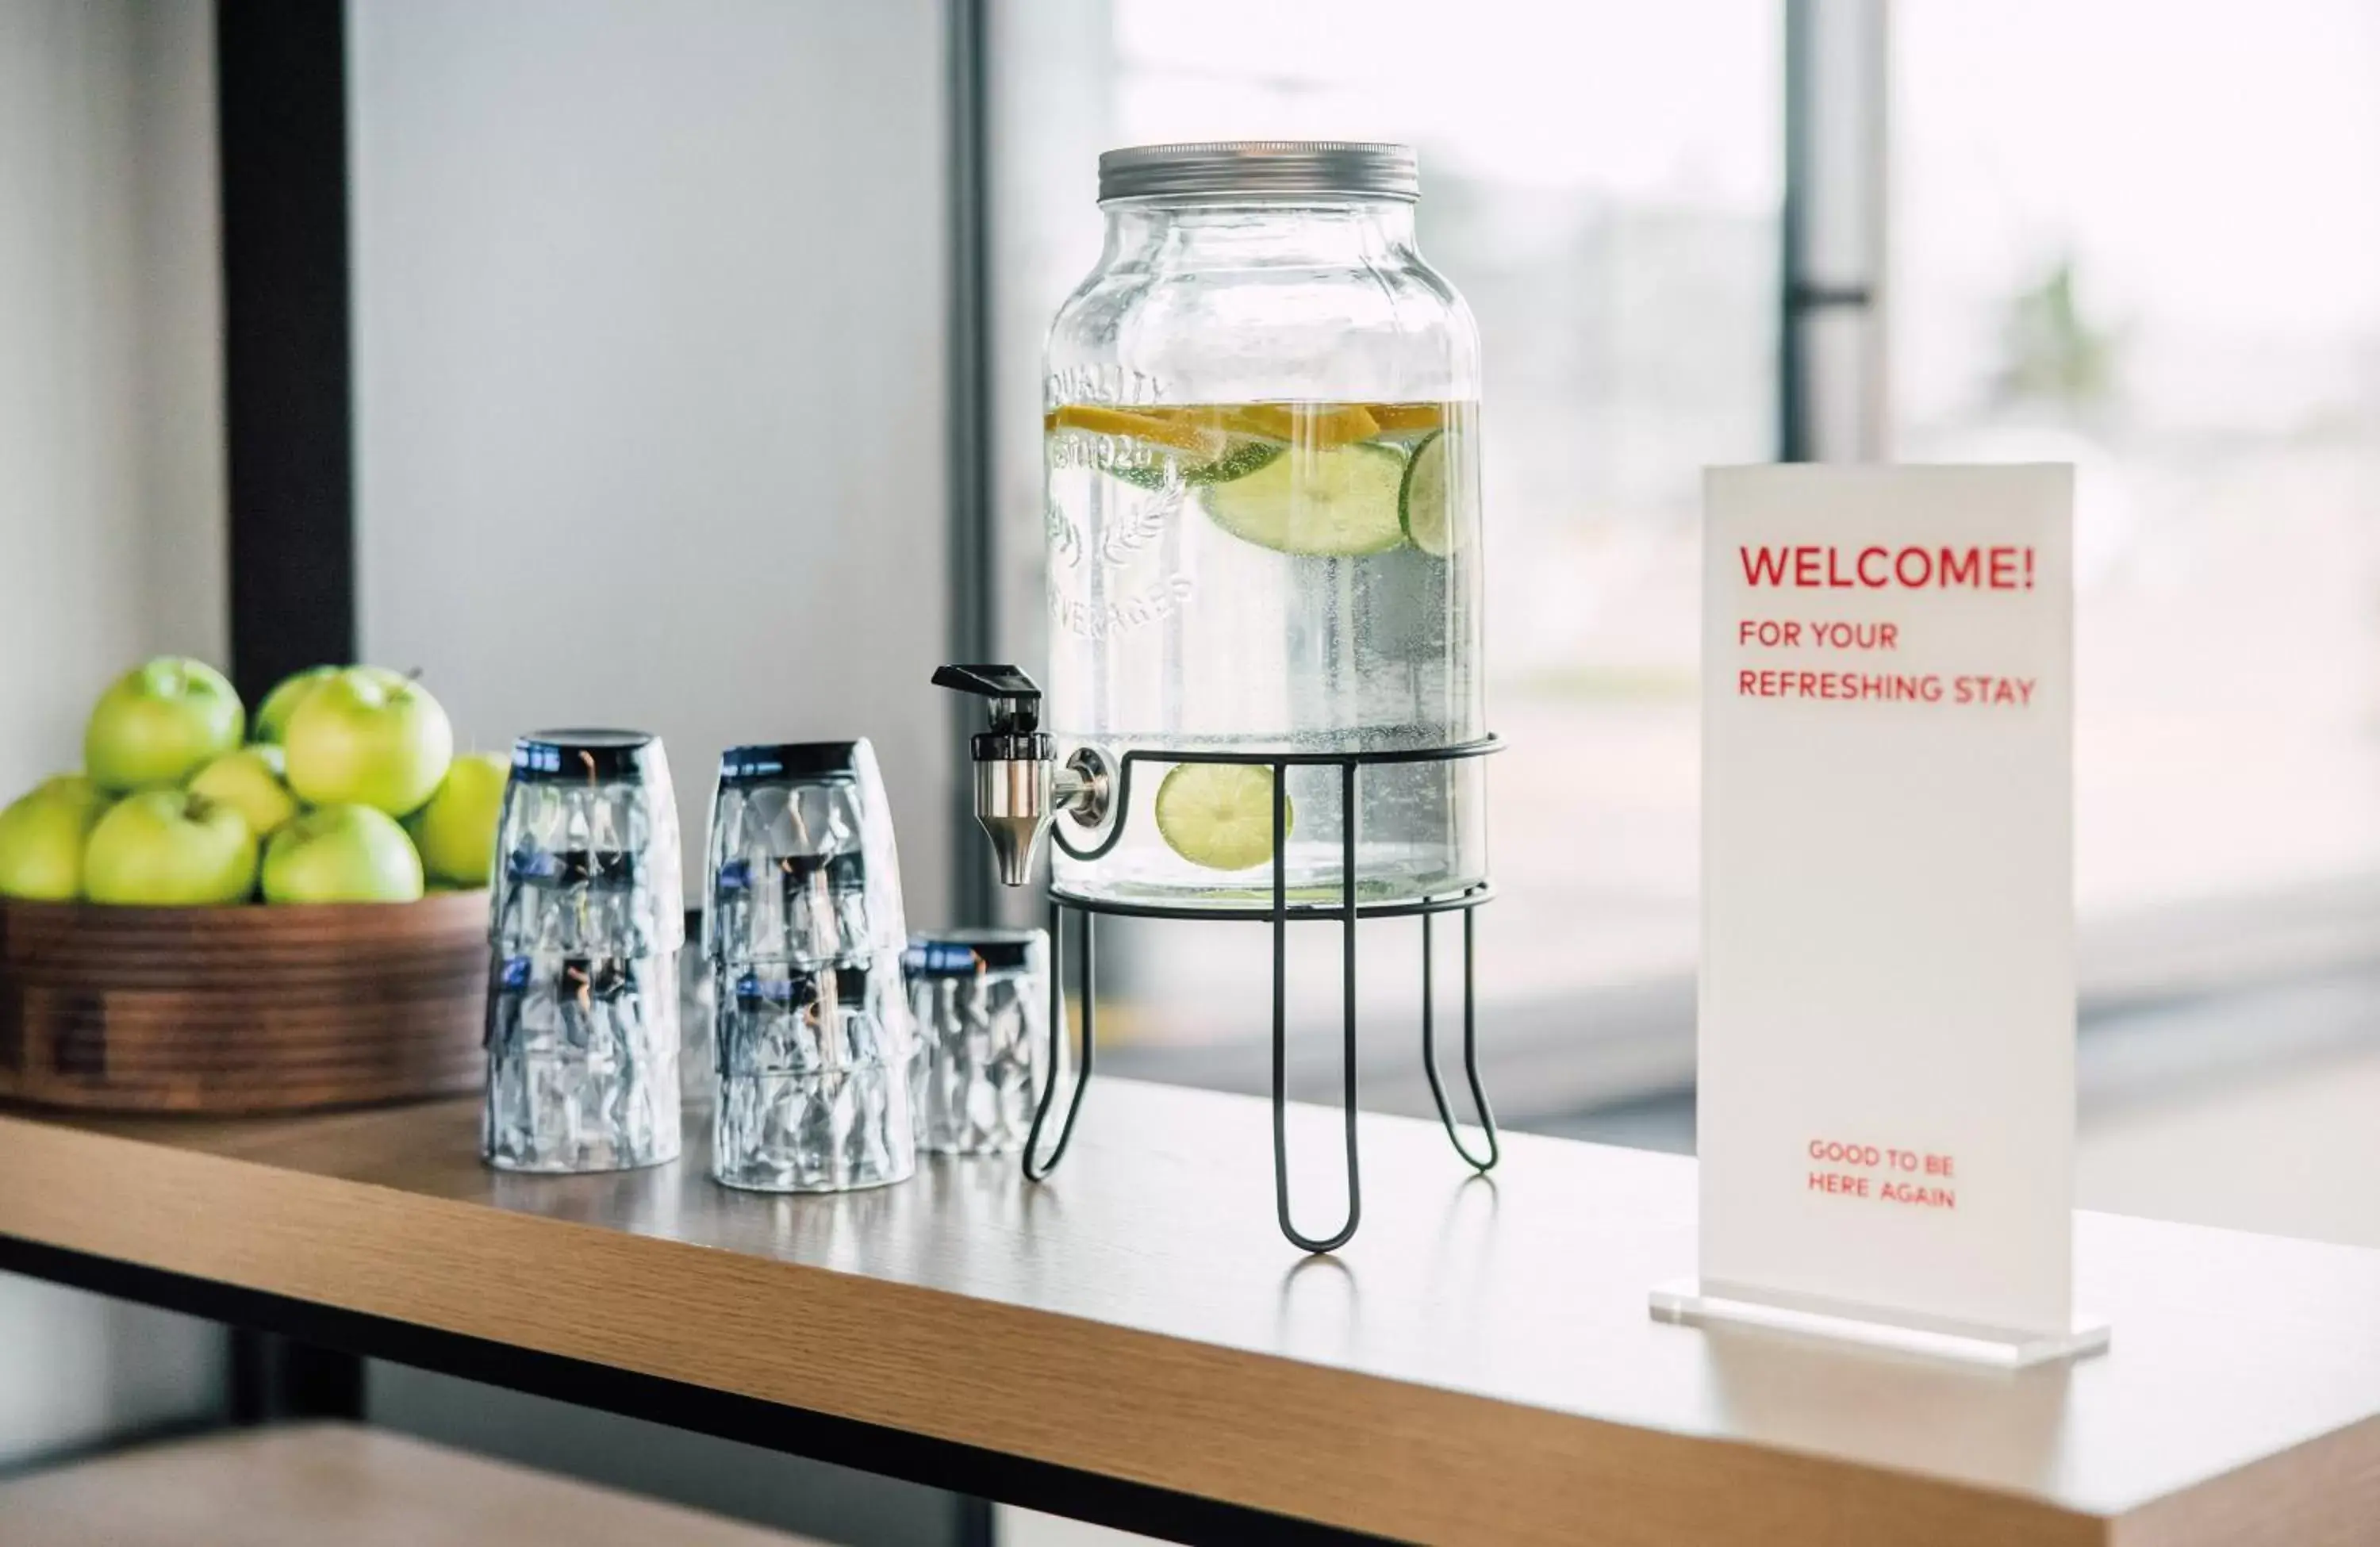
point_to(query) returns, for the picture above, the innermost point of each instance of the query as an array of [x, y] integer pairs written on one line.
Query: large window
[[2145, 238], [1601, 179]]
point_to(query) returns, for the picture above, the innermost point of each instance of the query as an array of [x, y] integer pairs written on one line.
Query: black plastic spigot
[[1008, 686], [1015, 709]]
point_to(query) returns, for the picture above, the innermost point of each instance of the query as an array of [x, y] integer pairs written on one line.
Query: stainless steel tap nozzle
[[1019, 788]]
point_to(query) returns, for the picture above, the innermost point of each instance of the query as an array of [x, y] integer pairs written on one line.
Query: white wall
[[177, 243], [111, 521], [650, 375], [70, 604], [77, 1370], [111, 477]]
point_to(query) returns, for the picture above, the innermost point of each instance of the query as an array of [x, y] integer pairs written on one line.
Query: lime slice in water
[[1219, 815], [1422, 504], [1151, 446], [1241, 460], [1335, 503]]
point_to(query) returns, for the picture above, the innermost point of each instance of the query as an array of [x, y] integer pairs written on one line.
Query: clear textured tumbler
[[803, 929], [813, 1079], [981, 999], [801, 861], [582, 1064], [585, 923], [588, 847]]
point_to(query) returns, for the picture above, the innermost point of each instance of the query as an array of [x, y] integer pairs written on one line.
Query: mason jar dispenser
[[1261, 427]]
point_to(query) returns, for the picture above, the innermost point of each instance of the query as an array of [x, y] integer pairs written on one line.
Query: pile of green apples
[[346, 789]]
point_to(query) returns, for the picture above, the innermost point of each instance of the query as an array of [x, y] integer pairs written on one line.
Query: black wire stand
[[1348, 910]]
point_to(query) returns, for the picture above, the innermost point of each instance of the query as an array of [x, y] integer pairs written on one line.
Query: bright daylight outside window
[[1601, 180], [2175, 286]]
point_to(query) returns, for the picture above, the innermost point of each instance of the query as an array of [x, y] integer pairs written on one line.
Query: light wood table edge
[[1338, 1447], [2324, 1492]]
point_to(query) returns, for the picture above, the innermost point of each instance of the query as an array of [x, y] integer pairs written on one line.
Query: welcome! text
[[1814, 566]]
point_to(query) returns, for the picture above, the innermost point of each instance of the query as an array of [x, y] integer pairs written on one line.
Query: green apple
[[250, 781], [368, 737], [272, 714], [272, 723], [41, 836], [158, 724], [169, 848], [456, 831], [341, 853]]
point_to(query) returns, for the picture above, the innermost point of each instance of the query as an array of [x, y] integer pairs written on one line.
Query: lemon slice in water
[[1320, 425], [1201, 441], [1407, 420], [1219, 815]]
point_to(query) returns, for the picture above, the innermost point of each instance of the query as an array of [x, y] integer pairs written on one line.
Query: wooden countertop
[[1479, 1365]]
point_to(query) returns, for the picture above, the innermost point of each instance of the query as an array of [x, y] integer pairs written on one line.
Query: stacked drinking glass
[[804, 935], [585, 921]]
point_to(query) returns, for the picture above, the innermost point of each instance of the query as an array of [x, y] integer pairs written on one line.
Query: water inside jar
[[1270, 577]]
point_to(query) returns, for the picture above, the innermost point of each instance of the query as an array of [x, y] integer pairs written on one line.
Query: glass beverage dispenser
[[1261, 429]]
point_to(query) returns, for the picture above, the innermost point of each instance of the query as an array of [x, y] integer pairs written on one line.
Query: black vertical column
[[281, 119], [274, 1379], [1793, 438], [974, 628], [974, 633], [1836, 125]]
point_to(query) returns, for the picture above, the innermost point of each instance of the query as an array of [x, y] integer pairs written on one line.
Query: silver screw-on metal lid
[[1260, 168]]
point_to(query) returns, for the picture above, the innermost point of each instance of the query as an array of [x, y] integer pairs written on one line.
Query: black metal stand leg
[[1281, 1008], [1347, 912], [1039, 1171], [1470, 1050]]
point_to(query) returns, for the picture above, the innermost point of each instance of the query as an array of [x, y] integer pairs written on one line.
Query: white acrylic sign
[[1887, 1021]]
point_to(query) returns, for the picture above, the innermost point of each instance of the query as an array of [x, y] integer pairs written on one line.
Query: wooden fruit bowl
[[250, 1009]]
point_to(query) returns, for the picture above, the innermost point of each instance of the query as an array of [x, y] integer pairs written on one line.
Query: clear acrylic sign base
[[1694, 1303]]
